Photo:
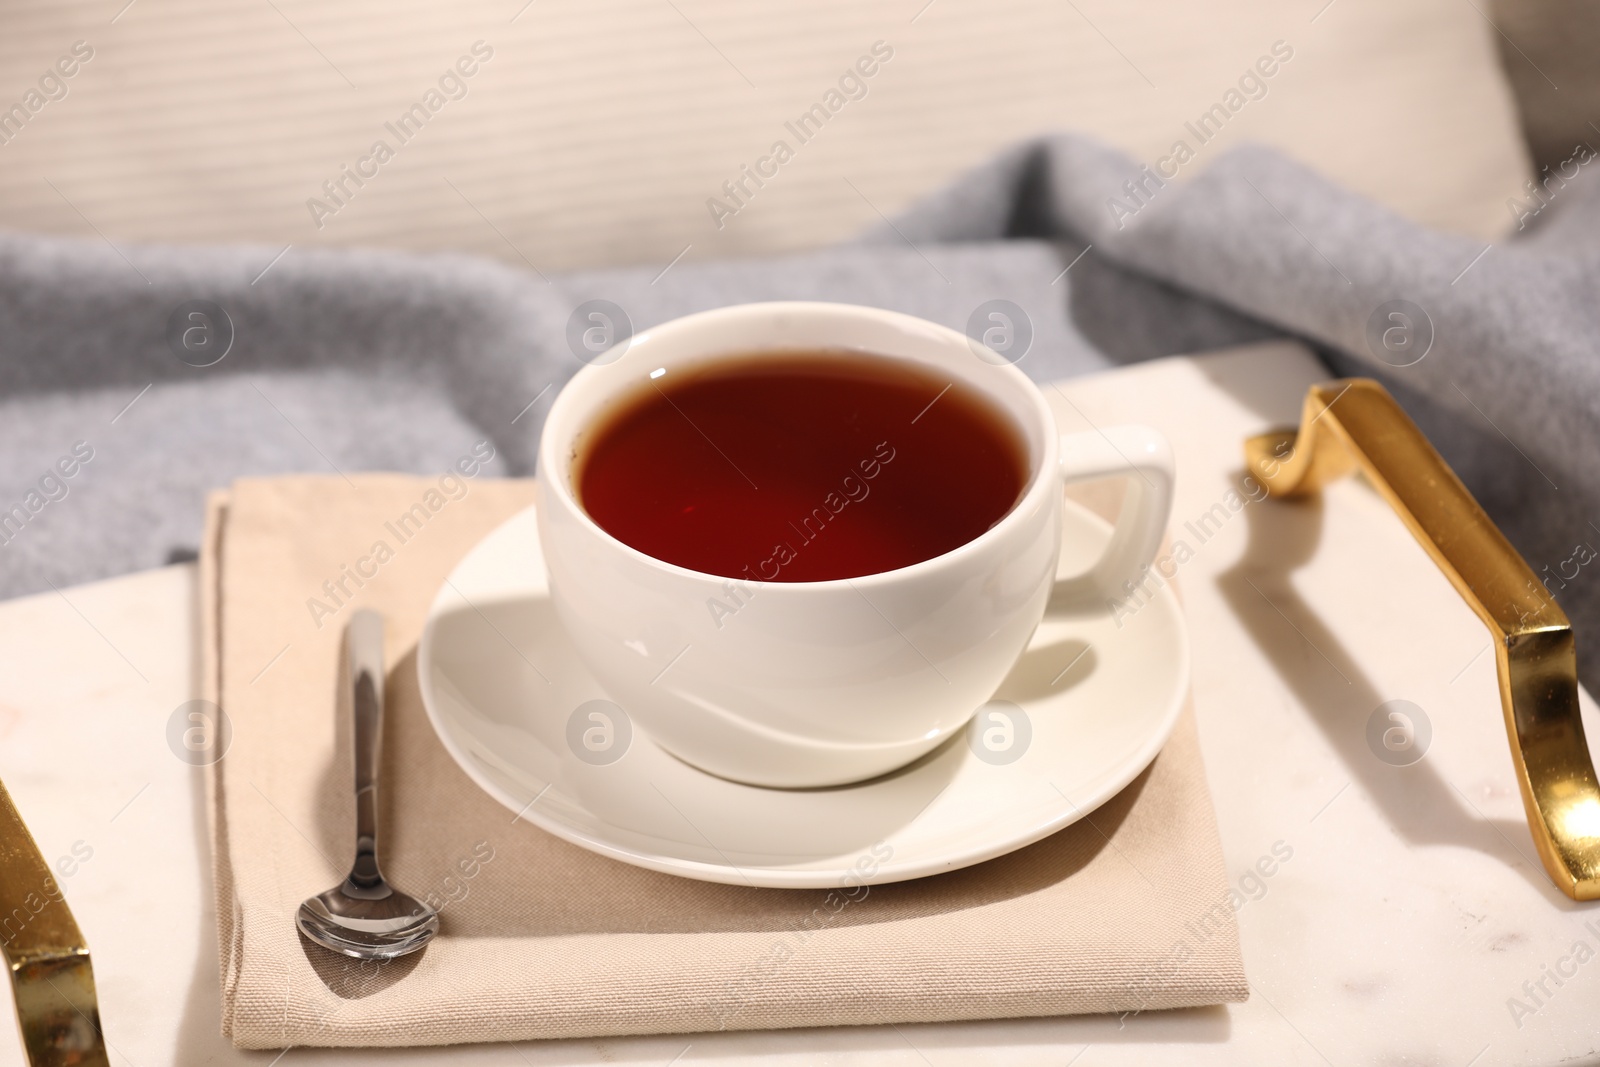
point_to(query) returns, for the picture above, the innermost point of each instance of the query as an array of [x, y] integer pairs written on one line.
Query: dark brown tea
[[801, 467]]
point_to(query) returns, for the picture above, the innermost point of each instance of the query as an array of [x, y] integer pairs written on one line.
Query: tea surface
[[801, 467]]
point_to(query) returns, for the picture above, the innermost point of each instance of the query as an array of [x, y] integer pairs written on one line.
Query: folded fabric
[[1126, 910], [382, 361]]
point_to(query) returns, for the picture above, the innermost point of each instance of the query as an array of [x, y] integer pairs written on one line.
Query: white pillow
[[603, 131]]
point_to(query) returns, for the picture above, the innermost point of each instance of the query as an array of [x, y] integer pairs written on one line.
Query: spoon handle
[[364, 639]]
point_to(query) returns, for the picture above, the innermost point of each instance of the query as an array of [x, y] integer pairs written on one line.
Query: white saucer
[[501, 682]]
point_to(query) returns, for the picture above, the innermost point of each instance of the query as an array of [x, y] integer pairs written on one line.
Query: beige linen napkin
[[1127, 910]]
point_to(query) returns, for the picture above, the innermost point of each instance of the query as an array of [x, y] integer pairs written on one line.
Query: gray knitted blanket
[[134, 379]]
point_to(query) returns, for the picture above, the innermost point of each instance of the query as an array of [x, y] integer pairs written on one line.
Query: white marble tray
[[1410, 910]]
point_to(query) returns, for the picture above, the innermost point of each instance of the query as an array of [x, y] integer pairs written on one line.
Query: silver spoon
[[364, 916]]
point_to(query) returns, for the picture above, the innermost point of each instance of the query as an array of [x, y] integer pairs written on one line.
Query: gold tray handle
[[45, 954], [1355, 424]]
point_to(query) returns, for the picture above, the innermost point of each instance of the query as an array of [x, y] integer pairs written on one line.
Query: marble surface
[[1389, 914]]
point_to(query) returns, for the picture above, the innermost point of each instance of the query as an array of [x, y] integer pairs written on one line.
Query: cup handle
[[1143, 456]]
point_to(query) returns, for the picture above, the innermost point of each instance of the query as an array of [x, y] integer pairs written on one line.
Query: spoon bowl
[[367, 927]]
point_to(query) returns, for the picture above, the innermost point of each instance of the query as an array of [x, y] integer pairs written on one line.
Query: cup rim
[[1039, 481]]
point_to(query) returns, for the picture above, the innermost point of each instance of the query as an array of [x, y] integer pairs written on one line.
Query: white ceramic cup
[[824, 683]]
